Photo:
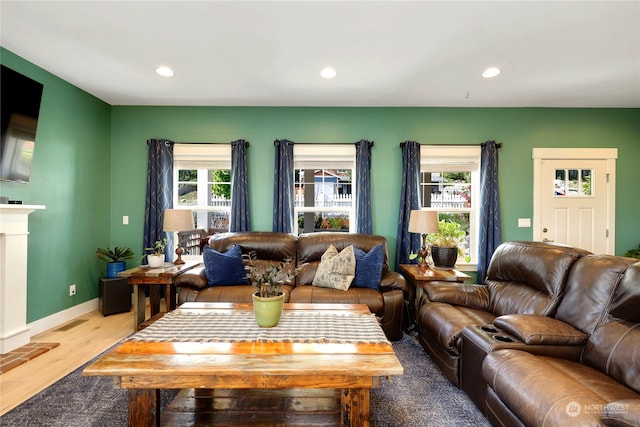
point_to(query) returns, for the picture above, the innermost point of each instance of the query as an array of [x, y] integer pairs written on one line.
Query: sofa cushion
[[368, 267], [529, 277], [591, 284], [613, 349], [336, 269], [224, 268], [547, 391], [315, 294]]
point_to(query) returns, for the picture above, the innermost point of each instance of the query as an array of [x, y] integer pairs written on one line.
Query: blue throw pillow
[[224, 268], [368, 267]]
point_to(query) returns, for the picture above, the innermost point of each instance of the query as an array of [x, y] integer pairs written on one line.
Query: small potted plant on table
[[115, 258], [156, 257], [268, 300], [446, 244]]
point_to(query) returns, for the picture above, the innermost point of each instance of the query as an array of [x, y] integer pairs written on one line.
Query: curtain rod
[[210, 143], [498, 145], [324, 143]]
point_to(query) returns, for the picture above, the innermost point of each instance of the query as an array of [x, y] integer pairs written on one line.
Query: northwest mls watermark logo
[[573, 409]]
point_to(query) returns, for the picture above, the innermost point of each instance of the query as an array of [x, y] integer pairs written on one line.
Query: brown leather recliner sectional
[[552, 338], [387, 302]]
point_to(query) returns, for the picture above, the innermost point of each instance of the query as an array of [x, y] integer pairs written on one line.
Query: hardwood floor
[[80, 340]]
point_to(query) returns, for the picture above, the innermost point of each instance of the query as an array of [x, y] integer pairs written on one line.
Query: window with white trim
[[450, 183], [202, 182], [324, 188]]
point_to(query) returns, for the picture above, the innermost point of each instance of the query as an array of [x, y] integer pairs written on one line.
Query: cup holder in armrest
[[488, 328], [502, 338]]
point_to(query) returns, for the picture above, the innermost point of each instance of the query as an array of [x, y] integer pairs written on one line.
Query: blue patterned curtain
[[363, 190], [490, 223], [409, 200], [283, 215], [239, 187], [159, 192]]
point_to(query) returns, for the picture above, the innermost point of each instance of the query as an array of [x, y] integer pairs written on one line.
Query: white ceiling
[[386, 53]]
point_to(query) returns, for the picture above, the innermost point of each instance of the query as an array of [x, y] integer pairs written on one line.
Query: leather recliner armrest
[[621, 413], [535, 329], [475, 296], [194, 278], [393, 280]]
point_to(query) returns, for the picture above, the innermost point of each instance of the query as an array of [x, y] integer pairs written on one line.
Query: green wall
[[519, 129], [70, 175], [90, 167]]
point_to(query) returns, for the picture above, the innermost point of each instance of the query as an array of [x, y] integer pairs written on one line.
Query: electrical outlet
[[72, 290]]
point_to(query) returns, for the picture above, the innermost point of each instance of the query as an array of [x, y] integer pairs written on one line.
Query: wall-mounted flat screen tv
[[20, 109]]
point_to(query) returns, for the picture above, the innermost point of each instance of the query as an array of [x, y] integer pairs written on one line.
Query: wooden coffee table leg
[[354, 404], [144, 407]]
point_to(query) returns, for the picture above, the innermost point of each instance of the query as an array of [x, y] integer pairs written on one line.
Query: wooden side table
[[416, 276], [154, 277]]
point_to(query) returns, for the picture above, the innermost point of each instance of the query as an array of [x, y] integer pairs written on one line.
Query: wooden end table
[[163, 276], [417, 276]]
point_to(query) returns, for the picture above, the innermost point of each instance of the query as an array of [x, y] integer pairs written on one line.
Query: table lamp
[[176, 220], [423, 222]]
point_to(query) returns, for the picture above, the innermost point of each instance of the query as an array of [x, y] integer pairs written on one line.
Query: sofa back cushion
[[614, 346], [268, 246], [529, 277], [590, 290], [311, 246]]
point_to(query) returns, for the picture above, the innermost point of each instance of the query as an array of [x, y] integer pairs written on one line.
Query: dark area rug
[[421, 397]]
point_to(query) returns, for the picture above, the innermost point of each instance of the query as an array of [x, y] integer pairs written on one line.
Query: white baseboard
[[61, 317]]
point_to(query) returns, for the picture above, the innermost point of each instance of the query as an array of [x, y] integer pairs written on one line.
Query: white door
[[574, 198]]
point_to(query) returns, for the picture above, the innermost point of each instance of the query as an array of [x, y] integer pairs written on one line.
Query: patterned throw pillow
[[224, 268], [336, 270], [368, 267]]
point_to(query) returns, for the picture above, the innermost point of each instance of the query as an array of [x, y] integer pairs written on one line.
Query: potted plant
[[115, 259], [268, 300], [633, 253], [156, 257], [446, 244]]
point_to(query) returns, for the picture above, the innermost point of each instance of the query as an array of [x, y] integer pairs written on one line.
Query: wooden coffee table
[[320, 354]]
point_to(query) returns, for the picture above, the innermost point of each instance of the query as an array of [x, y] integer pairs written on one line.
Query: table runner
[[322, 326]]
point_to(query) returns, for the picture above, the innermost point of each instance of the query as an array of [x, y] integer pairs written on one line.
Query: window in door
[[572, 183], [324, 188], [449, 183], [202, 183]]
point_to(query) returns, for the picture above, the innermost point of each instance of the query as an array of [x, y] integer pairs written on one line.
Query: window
[[572, 183], [324, 191], [450, 183], [202, 182]]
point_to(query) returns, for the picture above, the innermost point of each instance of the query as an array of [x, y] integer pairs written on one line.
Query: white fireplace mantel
[[14, 233]]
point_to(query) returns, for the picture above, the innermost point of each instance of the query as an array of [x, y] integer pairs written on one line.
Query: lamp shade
[[423, 222], [177, 220]]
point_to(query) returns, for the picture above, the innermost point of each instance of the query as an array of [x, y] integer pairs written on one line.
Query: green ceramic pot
[[268, 309]]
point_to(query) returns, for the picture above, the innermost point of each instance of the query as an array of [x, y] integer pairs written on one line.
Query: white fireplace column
[[14, 233]]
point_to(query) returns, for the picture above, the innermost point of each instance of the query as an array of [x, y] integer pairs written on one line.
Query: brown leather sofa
[[554, 336], [387, 303], [599, 386], [523, 277]]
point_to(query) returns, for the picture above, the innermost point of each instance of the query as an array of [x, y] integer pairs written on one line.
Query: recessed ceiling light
[[490, 72], [164, 71], [328, 73]]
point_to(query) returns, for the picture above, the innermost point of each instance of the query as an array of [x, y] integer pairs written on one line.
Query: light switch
[[524, 222], [125, 220]]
